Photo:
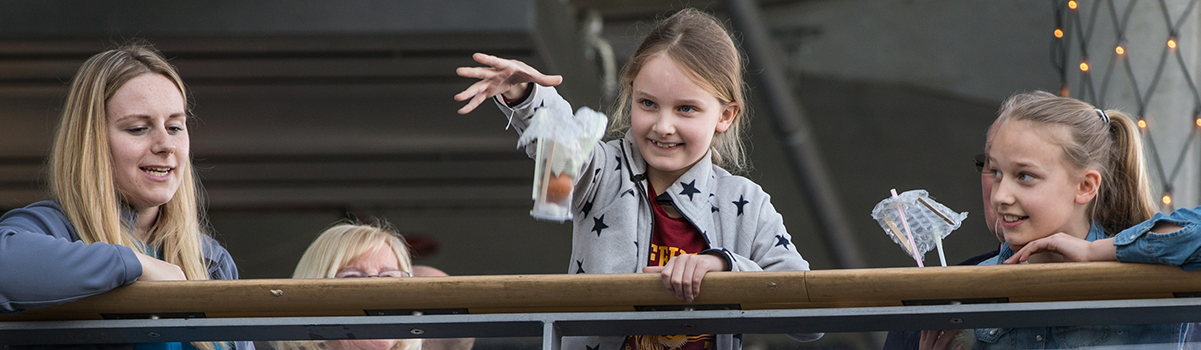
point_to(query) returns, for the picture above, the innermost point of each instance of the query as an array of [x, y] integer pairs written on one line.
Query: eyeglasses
[[981, 161], [361, 274]]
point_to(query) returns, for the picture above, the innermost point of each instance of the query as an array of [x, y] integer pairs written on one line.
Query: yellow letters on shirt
[[661, 254]]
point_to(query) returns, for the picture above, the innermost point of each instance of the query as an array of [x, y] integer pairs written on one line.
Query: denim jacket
[[1181, 248], [1151, 336]]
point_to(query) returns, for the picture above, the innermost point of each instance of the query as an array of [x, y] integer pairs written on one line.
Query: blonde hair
[[337, 247], [1112, 148], [81, 165], [698, 42]]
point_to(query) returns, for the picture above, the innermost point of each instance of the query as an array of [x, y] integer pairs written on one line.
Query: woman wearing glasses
[[355, 251]]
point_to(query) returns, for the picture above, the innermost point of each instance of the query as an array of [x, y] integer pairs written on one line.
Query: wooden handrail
[[628, 292]]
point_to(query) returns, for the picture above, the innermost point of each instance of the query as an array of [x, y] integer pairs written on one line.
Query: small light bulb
[[1142, 123], [1120, 50], [1058, 33], [1198, 121], [1171, 43], [1083, 66], [1072, 4], [1167, 199]]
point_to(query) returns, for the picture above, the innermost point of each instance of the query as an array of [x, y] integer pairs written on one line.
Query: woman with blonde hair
[[355, 251], [126, 204]]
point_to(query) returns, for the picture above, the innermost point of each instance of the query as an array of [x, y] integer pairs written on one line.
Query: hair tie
[[1104, 117]]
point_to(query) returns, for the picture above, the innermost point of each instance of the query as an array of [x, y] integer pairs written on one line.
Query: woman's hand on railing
[[158, 270], [682, 274], [502, 76], [1071, 248], [939, 339]]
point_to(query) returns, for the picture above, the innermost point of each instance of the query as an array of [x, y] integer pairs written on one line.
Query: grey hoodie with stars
[[613, 219]]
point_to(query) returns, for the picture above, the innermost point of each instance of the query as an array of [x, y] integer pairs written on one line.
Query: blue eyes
[[996, 174], [651, 104]]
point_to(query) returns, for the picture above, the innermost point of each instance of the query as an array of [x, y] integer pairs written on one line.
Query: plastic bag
[[930, 222]]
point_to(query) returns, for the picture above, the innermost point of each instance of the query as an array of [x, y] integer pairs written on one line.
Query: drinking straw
[[942, 258], [908, 233]]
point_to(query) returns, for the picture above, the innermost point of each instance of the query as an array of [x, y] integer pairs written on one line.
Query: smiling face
[[673, 119], [148, 138], [1034, 192]]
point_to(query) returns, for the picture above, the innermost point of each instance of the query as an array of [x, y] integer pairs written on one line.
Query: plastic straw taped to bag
[[929, 220]]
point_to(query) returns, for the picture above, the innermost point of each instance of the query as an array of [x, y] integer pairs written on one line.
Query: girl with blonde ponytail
[[126, 204], [1070, 184]]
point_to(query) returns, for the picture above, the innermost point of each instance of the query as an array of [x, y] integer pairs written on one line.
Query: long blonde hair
[[698, 42], [81, 165], [1112, 148], [337, 247]]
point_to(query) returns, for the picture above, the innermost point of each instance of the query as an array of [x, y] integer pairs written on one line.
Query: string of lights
[[1076, 24]]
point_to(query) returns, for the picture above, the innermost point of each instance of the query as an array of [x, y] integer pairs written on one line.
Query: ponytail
[[1126, 199]]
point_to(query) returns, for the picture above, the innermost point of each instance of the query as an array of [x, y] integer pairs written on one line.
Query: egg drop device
[[563, 143]]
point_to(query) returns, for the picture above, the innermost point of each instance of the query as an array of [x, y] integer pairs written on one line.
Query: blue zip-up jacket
[[44, 263]]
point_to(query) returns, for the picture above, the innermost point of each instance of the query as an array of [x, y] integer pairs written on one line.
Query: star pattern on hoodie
[[740, 203], [587, 207], [689, 189], [598, 225], [782, 241], [579, 266]]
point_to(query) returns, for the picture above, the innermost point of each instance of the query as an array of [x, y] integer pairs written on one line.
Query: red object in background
[[421, 246]]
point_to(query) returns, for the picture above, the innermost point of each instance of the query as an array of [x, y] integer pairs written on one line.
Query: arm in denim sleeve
[[1180, 248], [43, 264]]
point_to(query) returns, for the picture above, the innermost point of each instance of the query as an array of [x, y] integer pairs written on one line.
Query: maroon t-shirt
[[671, 237]]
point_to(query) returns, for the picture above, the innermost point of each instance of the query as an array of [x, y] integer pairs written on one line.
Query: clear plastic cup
[[552, 189]]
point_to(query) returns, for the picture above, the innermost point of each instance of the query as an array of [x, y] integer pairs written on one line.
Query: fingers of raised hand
[[475, 72], [475, 102], [548, 80], [490, 60]]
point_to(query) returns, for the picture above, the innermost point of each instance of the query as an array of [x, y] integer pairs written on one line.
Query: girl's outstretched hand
[[682, 274], [158, 270], [502, 76], [1071, 248]]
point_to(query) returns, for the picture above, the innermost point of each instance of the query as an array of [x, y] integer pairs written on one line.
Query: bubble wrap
[[927, 219], [575, 136]]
